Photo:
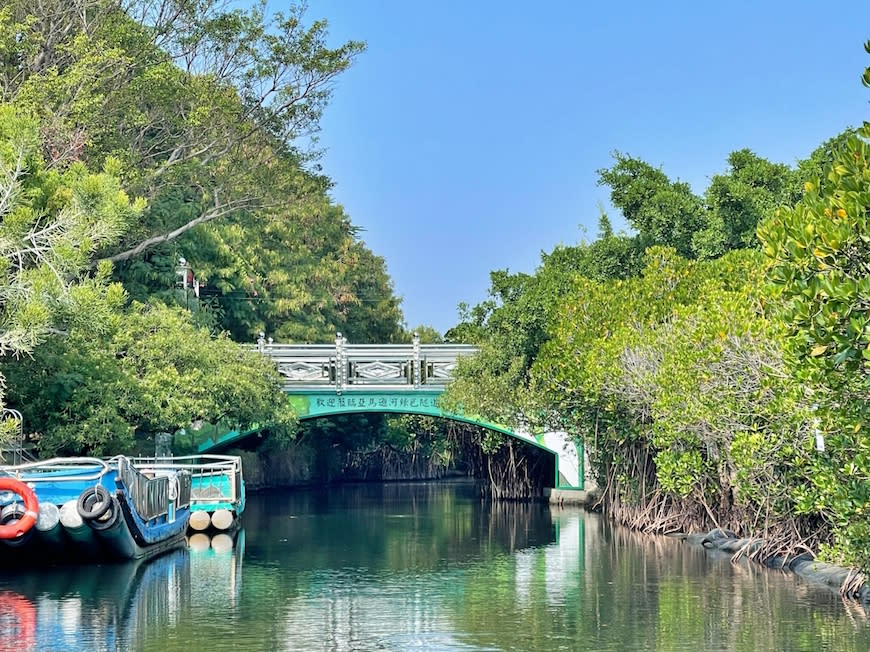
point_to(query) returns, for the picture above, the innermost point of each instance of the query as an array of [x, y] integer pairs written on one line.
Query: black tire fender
[[109, 518], [93, 503]]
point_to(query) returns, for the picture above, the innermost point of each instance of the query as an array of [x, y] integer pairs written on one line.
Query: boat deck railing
[[59, 469], [14, 451], [214, 478], [151, 494]]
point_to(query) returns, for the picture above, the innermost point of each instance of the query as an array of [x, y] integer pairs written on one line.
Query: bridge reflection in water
[[424, 566]]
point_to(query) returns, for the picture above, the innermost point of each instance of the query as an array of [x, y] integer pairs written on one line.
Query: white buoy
[[222, 519], [48, 524], [199, 542], [48, 518], [75, 527], [199, 521], [222, 543], [69, 516]]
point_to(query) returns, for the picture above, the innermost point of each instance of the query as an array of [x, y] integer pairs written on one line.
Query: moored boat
[[217, 493], [76, 509]]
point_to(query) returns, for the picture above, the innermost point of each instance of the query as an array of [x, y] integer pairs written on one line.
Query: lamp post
[[183, 270]]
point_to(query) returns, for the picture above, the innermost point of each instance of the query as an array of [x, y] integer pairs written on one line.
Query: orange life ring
[[22, 632], [31, 505]]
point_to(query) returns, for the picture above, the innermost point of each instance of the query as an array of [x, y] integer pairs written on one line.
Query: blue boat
[[217, 488], [84, 509]]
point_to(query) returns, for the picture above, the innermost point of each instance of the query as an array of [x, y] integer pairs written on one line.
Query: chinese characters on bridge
[[376, 402]]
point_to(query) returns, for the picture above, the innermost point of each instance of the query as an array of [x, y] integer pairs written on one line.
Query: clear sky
[[467, 138]]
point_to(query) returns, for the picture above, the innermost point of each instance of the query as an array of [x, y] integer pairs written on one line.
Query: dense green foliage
[[210, 111], [819, 253], [52, 223], [154, 372], [208, 114], [703, 374], [716, 361]]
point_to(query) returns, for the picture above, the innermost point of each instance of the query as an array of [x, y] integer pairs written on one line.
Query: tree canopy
[[207, 114], [714, 360]]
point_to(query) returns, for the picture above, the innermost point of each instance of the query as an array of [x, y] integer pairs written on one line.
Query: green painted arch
[[316, 404], [441, 415]]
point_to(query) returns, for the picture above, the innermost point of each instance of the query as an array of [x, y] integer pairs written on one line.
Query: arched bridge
[[325, 380]]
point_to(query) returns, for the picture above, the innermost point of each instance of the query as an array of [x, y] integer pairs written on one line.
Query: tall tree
[[211, 111], [181, 91], [661, 211], [738, 200], [51, 223]]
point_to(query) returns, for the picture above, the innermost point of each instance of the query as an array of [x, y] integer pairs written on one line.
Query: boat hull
[[97, 513]]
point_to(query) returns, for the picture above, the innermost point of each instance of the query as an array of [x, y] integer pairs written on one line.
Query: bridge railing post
[[416, 362], [340, 363]]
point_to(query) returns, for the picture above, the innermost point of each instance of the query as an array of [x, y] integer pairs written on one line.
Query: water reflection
[[85, 607], [424, 566], [368, 566], [397, 567], [400, 527], [113, 606], [605, 588], [216, 572]]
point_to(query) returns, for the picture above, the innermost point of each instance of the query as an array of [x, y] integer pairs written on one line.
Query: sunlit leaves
[[52, 224], [154, 371], [661, 211], [819, 252]]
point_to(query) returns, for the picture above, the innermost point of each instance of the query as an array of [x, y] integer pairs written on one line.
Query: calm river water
[[424, 567]]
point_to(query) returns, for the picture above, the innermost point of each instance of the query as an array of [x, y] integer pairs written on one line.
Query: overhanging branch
[[217, 211]]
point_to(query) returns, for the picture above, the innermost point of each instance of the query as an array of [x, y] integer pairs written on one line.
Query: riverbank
[[849, 582]]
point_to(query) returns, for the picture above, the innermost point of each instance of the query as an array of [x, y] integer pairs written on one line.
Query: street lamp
[[183, 270]]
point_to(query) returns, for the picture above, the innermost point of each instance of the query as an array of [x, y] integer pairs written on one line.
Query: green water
[[424, 567]]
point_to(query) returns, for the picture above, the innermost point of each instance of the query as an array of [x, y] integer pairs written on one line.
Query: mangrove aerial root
[[850, 582]]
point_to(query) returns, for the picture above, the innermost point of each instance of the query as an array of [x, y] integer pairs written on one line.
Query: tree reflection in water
[[429, 566]]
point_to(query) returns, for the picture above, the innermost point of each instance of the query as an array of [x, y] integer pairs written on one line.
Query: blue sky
[[467, 137]]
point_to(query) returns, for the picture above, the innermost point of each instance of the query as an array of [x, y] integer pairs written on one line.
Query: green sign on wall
[[314, 404]]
